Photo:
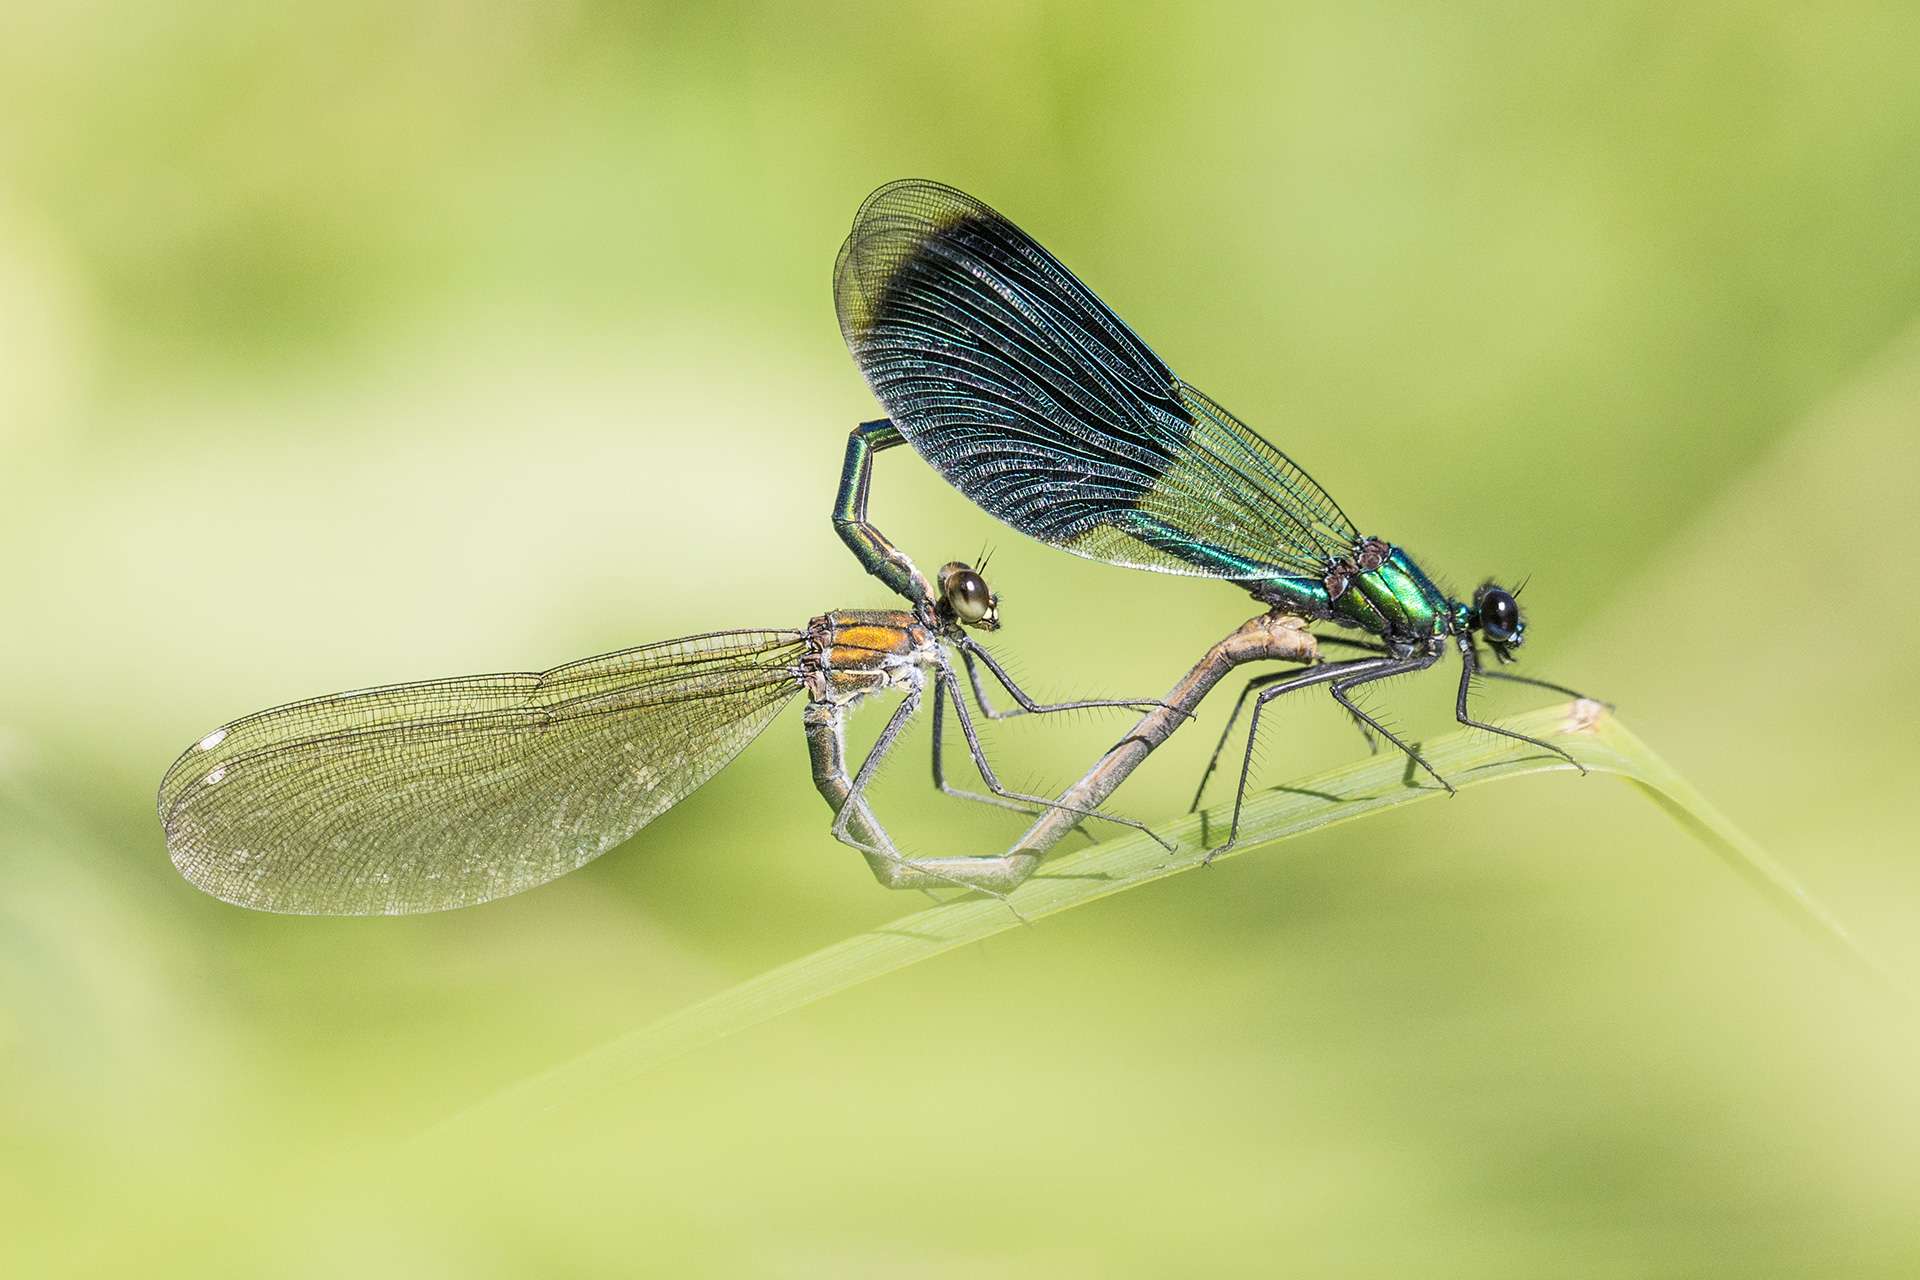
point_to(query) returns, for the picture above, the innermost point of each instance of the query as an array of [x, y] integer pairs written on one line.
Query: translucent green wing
[[444, 793]]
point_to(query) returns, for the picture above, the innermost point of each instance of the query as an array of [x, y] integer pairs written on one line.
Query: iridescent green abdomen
[[1302, 597]]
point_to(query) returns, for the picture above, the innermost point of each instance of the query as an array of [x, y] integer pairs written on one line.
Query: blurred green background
[[355, 342]]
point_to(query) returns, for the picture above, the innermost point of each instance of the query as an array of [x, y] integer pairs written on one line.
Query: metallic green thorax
[[1397, 600], [1394, 600]]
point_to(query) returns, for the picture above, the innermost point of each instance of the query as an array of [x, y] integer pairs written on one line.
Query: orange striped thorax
[[860, 651]]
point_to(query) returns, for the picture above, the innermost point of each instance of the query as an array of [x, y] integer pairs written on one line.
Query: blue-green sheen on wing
[[1032, 398], [444, 793]]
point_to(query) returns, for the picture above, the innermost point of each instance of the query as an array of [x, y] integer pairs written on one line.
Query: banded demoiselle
[[446, 793], [1041, 405]]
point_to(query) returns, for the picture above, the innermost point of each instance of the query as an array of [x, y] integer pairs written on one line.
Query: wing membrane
[[444, 793], [1032, 398]]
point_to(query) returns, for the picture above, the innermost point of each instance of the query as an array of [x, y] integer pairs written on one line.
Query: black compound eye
[[1499, 615], [968, 596]]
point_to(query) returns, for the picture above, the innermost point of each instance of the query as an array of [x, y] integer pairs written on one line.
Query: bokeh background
[[347, 343]]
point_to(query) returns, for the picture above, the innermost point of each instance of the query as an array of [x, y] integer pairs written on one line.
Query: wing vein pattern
[[444, 793], [1032, 398]]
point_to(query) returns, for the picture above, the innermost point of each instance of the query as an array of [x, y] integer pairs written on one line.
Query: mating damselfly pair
[[1030, 397]]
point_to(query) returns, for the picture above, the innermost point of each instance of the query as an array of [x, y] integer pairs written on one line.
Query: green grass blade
[[1342, 794]]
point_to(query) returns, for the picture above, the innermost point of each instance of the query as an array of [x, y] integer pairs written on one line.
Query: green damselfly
[[446, 793]]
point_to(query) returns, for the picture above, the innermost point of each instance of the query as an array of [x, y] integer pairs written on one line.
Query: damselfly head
[[966, 598], [1497, 614]]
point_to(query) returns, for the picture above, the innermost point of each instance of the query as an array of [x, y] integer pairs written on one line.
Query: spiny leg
[[1295, 680], [980, 698], [1468, 667], [1364, 646], [1480, 669], [856, 825], [946, 788], [971, 648], [939, 767], [945, 683], [1341, 688], [848, 796], [1253, 686], [1493, 673]]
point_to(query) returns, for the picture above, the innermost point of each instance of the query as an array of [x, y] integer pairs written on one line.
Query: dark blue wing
[[1038, 403]]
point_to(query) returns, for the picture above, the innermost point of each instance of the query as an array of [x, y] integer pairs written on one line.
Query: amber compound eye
[[967, 595], [1499, 615]]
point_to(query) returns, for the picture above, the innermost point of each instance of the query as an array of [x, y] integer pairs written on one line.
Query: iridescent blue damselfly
[[1038, 403]]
